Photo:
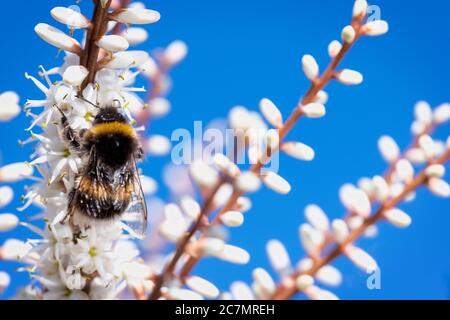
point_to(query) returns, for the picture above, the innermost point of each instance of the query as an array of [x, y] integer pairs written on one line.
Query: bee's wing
[[135, 217]]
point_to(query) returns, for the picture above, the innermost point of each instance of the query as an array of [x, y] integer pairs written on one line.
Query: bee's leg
[[139, 153]]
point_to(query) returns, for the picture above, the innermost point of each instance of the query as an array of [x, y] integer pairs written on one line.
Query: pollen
[[88, 116], [92, 251], [66, 153]]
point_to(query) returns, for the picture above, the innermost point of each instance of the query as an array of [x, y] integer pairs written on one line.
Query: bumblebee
[[107, 186]]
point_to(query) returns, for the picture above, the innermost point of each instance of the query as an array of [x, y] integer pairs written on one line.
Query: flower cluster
[[224, 185], [371, 200], [102, 260]]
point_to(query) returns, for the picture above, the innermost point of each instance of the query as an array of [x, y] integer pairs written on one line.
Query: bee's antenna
[[59, 109], [116, 102], [86, 100]]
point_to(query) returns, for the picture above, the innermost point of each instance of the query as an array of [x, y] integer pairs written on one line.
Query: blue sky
[[241, 51]]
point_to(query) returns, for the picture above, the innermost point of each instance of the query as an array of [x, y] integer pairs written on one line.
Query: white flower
[[57, 38], [310, 67], [175, 52], [136, 16], [15, 172]]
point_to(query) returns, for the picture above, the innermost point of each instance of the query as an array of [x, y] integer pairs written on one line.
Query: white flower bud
[[127, 59], [135, 35], [14, 249], [264, 281], [271, 113], [416, 156], [442, 113], [212, 246], [397, 217], [202, 286], [113, 43], [203, 175], [278, 256], [8, 221], [234, 254], [136, 16], [361, 259], [321, 97], [174, 224], [298, 150], [149, 68], [276, 183], [381, 188], [310, 238], [223, 194], [159, 107], [435, 171], [355, 200], [157, 145], [375, 28], [70, 17], [6, 195], [359, 8], [340, 230], [418, 128], [316, 293], [9, 102], [314, 110], [329, 275], [183, 294], [175, 52], [272, 138], [426, 143], [149, 185], [388, 148], [348, 34], [349, 77], [310, 67], [354, 222], [404, 170], [304, 281], [5, 280], [439, 187], [241, 291], [334, 48], [248, 182], [15, 171], [57, 38], [244, 204], [190, 207], [305, 264], [317, 218], [232, 218], [75, 75], [423, 112]]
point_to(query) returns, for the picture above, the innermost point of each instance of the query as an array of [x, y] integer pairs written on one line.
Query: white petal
[[175, 52], [329, 275], [158, 145], [203, 174], [15, 171], [439, 187], [348, 34], [376, 28], [349, 77], [135, 35], [6, 195], [241, 291], [361, 259], [8, 221], [359, 8], [314, 110], [381, 188], [398, 218], [404, 170], [183, 294], [57, 38], [202, 286], [128, 59], [9, 105], [423, 112], [232, 218], [276, 183], [113, 43], [69, 17], [159, 107], [416, 155], [310, 67], [271, 112], [298, 150], [248, 182], [149, 185], [136, 16], [234, 254], [340, 230], [278, 255], [333, 48], [212, 246], [223, 195], [75, 75], [317, 217], [388, 148], [427, 145]]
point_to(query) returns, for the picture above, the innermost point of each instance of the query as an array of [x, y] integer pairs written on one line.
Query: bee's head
[[109, 114]]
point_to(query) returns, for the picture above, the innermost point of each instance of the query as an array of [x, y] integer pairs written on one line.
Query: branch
[[316, 86]]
